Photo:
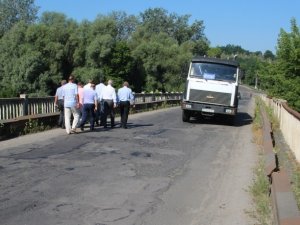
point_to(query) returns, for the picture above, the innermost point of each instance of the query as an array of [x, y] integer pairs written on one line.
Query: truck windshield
[[212, 71]]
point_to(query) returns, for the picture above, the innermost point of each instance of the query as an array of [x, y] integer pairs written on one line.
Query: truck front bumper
[[208, 109]]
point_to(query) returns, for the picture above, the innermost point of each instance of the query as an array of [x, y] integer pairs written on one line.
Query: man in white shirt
[[109, 98], [100, 108]]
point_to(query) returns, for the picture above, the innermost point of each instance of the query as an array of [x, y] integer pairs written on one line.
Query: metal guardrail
[[11, 108]]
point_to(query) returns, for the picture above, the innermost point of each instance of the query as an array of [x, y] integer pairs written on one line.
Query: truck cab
[[211, 88]]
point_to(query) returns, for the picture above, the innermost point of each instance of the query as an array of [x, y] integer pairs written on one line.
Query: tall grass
[[260, 187]]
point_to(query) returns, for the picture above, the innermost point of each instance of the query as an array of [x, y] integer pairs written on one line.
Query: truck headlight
[[229, 111], [186, 106]]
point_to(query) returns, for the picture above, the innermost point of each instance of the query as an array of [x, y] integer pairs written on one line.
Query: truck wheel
[[185, 116]]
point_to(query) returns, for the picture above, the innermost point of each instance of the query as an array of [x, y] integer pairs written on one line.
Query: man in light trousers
[[71, 105]]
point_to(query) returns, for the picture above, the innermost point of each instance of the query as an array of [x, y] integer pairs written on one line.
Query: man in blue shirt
[[125, 97], [59, 103], [71, 105], [89, 106]]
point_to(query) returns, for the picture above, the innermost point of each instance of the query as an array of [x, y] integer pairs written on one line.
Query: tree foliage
[[279, 76], [14, 11], [286, 71], [151, 51]]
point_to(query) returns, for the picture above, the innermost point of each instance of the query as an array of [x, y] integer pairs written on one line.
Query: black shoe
[[81, 128]]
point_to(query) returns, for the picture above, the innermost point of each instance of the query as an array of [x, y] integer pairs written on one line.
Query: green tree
[[158, 56], [126, 24], [151, 51], [251, 66], [288, 66], [281, 78], [269, 55], [214, 52], [12, 49], [121, 64], [234, 49], [13, 11]]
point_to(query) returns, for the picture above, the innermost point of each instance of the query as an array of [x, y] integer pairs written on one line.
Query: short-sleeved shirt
[[59, 93], [89, 96], [70, 92]]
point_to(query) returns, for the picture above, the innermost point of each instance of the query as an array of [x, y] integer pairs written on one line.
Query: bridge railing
[[289, 121], [11, 108]]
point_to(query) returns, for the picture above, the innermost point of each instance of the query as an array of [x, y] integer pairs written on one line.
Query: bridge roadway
[[160, 171]]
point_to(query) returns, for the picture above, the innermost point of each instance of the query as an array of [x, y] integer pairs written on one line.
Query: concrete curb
[[284, 204]]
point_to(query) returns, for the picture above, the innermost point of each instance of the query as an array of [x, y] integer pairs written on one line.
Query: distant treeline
[[150, 50]]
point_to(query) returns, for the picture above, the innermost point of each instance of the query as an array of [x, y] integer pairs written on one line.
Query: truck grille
[[210, 97]]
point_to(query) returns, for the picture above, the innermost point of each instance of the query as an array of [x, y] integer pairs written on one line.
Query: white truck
[[211, 89]]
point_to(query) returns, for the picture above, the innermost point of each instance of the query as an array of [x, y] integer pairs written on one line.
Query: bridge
[[17, 113], [158, 171]]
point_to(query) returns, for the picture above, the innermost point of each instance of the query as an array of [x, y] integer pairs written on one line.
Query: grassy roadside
[[260, 187]]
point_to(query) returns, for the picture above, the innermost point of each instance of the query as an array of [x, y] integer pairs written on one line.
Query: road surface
[[159, 171]]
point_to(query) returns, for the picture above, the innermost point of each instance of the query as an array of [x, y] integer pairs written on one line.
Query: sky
[[252, 24]]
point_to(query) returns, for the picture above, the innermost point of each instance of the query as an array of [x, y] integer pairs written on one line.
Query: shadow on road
[[241, 119], [134, 125], [117, 125]]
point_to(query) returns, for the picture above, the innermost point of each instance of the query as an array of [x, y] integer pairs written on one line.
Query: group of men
[[92, 101]]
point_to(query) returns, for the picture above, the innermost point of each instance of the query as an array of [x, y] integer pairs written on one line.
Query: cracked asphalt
[[159, 171]]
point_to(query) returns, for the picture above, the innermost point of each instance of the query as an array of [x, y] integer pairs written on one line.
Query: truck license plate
[[208, 110]]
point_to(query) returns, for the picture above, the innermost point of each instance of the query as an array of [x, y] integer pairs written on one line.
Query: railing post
[[25, 104]]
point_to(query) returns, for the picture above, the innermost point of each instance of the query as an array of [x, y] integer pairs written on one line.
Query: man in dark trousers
[[109, 98], [59, 103], [89, 106], [125, 97], [100, 110]]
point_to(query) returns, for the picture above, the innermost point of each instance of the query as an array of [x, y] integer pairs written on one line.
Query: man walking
[[80, 96], [71, 105], [89, 106], [125, 97], [100, 108], [59, 103], [109, 98]]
